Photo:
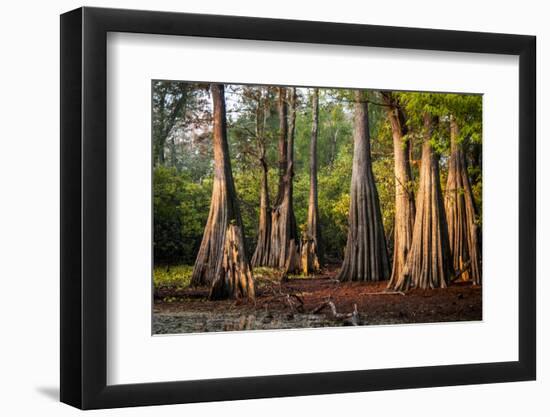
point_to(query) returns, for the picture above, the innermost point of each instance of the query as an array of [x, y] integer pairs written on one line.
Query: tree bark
[[161, 139], [311, 242], [404, 197], [284, 234], [222, 261], [366, 257], [461, 213], [283, 144], [234, 276], [428, 262], [263, 245]]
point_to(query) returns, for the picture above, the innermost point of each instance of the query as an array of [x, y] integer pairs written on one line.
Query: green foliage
[[175, 276], [466, 108], [265, 276], [180, 210], [247, 184], [334, 201], [385, 185]]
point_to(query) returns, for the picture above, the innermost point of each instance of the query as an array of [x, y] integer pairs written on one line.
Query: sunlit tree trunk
[[284, 235], [366, 257], [311, 242], [222, 261], [404, 198], [461, 214], [428, 263], [282, 147]]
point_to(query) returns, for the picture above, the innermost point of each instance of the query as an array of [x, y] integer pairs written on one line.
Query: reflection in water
[[195, 322]]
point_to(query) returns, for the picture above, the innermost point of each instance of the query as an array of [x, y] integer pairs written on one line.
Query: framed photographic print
[[256, 208]]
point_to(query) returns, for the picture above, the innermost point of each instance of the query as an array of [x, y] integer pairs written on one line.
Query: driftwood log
[[348, 318]]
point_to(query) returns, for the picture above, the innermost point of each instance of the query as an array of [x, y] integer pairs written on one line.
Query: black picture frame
[[84, 207]]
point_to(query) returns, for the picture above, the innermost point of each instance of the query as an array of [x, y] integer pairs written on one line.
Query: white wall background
[[29, 213]]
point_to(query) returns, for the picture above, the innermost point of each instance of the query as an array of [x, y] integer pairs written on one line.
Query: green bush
[[180, 211]]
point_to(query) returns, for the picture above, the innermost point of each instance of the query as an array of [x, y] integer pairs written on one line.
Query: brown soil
[[298, 302]]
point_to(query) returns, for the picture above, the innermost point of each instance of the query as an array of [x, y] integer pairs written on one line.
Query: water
[[198, 322]]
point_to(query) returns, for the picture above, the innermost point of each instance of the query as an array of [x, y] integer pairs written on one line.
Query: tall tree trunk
[[428, 263], [283, 144], [366, 257], [284, 234], [404, 198], [311, 242], [222, 261], [461, 214], [161, 138], [263, 246]]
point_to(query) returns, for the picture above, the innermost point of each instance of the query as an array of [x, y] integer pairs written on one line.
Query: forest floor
[[303, 302]]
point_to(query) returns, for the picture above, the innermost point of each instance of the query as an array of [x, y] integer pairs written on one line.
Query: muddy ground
[[312, 302]]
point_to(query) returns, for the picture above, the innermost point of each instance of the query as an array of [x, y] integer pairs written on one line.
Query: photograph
[[291, 207]]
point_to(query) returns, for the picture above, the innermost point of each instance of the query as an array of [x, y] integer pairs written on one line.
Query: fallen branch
[[385, 293], [352, 318], [288, 298], [319, 308]]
